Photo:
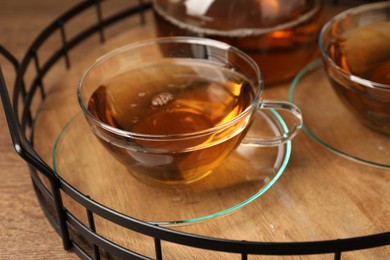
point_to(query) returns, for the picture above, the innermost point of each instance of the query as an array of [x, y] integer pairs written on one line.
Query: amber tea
[[172, 109], [364, 52], [173, 98], [281, 36]]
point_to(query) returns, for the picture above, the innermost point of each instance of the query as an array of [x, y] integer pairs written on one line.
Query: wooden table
[[26, 234]]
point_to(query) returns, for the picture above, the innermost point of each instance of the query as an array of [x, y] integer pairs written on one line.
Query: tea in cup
[[355, 48], [172, 109]]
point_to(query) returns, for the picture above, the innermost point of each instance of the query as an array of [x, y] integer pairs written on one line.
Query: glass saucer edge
[[316, 64], [283, 158]]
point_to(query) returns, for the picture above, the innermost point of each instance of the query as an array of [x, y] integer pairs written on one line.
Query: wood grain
[[25, 233]]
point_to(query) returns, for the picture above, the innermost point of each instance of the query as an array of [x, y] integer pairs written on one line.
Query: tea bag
[[367, 51]]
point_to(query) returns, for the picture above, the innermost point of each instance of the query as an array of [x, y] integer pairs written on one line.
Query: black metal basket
[[81, 238]]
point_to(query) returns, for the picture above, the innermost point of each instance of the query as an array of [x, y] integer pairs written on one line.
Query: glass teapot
[[280, 35]]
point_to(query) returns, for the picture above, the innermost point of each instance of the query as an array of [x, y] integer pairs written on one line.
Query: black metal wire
[[51, 199], [157, 248], [91, 223], [102, 242]]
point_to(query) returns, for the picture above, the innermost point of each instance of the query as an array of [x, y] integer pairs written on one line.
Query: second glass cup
[[355, 48], [172, 109]]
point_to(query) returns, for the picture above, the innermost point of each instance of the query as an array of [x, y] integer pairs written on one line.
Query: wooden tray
[[320, 196]]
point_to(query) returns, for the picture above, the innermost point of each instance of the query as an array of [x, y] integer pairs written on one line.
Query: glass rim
[[259, 85], [328, 26], [240, 32]]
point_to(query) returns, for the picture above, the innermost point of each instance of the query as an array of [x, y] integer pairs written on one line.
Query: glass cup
[[355, 48], [281, 36], [172, 109]]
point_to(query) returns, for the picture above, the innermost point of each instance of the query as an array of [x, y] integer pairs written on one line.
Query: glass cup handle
[[288, 134]]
